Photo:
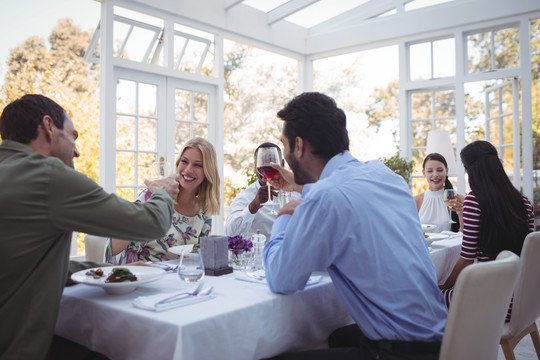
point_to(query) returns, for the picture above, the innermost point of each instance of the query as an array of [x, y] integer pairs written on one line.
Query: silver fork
[[182, 294], [163, 266]]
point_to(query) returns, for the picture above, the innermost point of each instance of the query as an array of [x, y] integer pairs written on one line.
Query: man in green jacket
[[43, 199]]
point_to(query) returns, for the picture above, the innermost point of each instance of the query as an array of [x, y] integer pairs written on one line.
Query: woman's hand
[[458, 206]]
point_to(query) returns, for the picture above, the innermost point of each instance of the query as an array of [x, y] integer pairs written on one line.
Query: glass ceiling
[[309, 13]]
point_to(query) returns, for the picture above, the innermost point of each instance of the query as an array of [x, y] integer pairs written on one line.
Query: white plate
[[177, 250], [144, 274], [426, 227], [431, 237]]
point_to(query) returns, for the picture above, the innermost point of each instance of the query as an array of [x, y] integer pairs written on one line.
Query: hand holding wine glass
[[450, 199], [160, 169], [266, 156]]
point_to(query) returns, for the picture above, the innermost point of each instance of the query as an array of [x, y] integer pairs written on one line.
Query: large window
[[258, 84], [365, 85], [136, 135]]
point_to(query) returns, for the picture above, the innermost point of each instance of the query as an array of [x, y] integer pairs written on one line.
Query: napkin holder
[[215, 255]]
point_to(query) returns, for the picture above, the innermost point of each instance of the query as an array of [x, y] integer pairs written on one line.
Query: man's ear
[[48, 127], [299, 147]]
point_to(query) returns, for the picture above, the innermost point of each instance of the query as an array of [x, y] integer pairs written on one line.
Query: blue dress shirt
[[359, 221]]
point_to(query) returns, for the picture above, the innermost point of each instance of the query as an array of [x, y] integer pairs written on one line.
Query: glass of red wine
[[266, 156]]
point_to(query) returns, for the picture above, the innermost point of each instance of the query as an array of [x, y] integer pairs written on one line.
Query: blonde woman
[[197, 201]]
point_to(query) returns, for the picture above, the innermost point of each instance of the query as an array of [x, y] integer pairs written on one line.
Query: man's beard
[[301, 176]]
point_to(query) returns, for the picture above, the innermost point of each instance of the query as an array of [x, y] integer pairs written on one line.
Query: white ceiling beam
[[288, 8], [230, 3], [426, 21], [355, 15]]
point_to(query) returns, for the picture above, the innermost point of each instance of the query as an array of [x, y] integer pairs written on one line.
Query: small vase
[[240, 261]]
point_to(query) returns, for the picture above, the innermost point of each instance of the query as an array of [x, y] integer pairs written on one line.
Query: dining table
[[444, 254], [242, 320]]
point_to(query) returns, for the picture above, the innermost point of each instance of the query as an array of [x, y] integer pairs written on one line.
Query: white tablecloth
[[444, 254], [244, 321]]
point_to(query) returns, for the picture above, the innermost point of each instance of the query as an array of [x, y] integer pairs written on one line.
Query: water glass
[[191, 269]]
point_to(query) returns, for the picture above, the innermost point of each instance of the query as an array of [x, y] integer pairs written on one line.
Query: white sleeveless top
[[434, 211]]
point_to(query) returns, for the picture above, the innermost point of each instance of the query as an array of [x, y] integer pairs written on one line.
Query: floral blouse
[[184, 230]]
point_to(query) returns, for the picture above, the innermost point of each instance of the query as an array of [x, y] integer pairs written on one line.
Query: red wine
[[267, 172]]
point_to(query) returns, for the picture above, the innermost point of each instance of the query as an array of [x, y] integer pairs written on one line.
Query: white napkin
[[151, 302], [256, 278], [451, 234]]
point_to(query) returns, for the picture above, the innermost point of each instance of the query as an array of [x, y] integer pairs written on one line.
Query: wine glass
[[450, 200], [191, 269], [266, 156]]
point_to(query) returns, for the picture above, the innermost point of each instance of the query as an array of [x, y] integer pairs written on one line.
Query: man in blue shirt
[[359, 221]]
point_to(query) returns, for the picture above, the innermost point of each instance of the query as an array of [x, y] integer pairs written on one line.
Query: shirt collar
[[336, 162], [15, 145]]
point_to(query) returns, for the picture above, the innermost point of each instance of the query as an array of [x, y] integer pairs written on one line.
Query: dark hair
[[267, 145], [447, 184], [503, 219], [20, 119], [316, 118]]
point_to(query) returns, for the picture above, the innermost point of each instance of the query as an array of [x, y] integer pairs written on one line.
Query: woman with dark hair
[[430, 204], [496, 216]]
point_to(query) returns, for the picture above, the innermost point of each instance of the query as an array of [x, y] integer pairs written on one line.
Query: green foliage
[[231, 191], [399, 165], [60, 73], [536, 192]]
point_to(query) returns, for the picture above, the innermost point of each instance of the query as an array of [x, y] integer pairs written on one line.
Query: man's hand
[[284, 179], [288, 208], [170, 184], [260, 198]]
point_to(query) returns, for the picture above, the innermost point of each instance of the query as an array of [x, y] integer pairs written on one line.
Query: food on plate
[[120, 275], [96, 274]]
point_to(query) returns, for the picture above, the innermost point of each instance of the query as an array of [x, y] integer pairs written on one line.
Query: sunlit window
[[136, 135], [433, 59], [498, 49], [430, 110]]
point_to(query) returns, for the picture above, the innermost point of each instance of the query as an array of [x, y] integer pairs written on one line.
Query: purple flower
[[171, 240], [238, 244], [145, 253], [131, 256]]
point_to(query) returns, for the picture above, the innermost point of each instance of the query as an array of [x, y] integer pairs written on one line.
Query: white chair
[[94, 248], [526, 303], [479, 305]]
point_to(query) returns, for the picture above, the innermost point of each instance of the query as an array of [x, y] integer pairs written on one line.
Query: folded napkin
[[152, 302], [260, 279]]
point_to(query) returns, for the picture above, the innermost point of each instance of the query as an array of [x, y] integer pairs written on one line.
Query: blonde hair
[[209, 188]]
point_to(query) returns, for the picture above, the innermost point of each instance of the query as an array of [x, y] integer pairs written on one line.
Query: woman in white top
[[430, 204]]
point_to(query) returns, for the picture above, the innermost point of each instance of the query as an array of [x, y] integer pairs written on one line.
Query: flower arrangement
[[239, 245]]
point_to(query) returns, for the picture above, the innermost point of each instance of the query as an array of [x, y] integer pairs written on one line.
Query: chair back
[[94, 247], [479, 305], [526, 303]]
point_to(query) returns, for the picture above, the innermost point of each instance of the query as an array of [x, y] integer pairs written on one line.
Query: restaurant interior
[[163, 62]]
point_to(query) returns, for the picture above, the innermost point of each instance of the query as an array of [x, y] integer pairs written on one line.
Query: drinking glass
[[450, 200], [160, 169], [191, 270], [266, 156]]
